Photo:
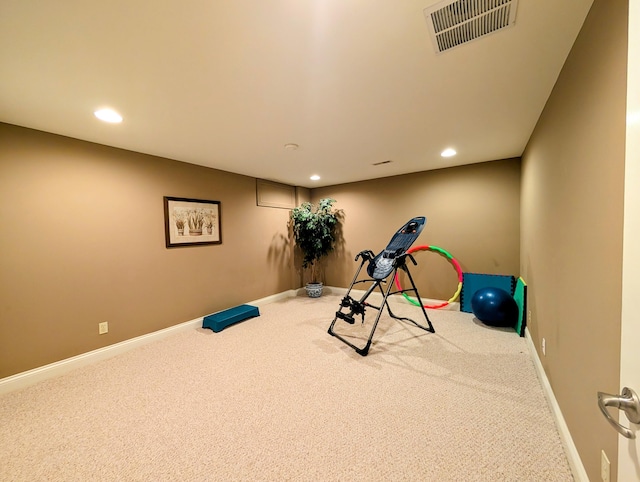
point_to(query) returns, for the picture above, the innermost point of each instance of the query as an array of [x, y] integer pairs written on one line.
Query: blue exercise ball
[[494, 307]]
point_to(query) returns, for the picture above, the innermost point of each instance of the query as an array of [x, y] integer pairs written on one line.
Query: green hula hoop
[[453, 261]]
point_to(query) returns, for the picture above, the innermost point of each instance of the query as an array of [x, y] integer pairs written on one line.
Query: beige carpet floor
[[277, 398]]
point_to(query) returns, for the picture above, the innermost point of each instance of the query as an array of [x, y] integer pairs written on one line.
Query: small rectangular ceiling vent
[[453, 23]]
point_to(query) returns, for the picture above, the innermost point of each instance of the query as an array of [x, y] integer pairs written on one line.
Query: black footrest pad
[[346, 317]]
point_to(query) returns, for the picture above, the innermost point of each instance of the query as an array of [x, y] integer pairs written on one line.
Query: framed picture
[[189, 222]]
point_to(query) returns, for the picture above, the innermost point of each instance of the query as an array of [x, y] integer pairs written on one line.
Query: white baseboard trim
[[273, 298], [577, 468], [31, 377]]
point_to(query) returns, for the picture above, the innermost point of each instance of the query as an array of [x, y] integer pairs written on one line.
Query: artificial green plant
[[314, 230]]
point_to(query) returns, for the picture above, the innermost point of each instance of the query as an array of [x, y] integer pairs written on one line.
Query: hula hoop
[[453, 261]]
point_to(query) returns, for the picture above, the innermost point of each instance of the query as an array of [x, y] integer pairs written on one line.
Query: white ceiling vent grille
[[453, 23]]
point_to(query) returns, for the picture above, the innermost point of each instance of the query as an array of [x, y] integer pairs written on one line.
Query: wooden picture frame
[[191, 222]]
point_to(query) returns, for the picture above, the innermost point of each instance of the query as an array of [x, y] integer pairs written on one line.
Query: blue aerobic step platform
[[219, 321]]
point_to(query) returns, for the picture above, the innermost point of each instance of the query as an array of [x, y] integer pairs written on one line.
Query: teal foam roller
[[219, 321]]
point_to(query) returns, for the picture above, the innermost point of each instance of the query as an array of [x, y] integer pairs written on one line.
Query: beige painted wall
[[472, 212], [571, 242], [86, 242], [83, 242]]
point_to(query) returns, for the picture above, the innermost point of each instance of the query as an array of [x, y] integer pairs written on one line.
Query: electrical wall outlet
[[103, 327], [529, 317], [544, 347], [605, 467]]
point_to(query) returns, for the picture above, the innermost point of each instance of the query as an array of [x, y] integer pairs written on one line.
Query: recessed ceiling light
[[108, 115], [291, 147], [315, 177], [448, 152]]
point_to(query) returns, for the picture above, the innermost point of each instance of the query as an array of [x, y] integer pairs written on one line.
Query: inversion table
[[381, 267]]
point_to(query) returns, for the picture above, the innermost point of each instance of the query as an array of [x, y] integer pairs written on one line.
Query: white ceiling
[[228, 83]]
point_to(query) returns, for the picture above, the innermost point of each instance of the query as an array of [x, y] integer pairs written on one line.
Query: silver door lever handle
[[628, 402]]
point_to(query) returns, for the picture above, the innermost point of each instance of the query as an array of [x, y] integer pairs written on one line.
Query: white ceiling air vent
[[453, 23]]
